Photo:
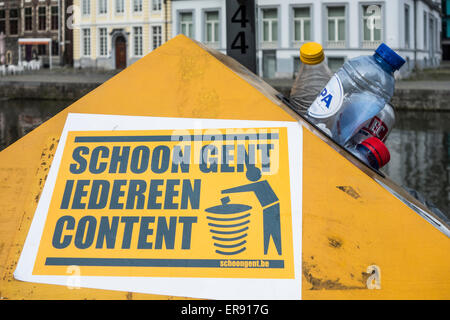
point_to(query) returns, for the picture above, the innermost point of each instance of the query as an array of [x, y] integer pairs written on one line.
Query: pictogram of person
[[269, 202]]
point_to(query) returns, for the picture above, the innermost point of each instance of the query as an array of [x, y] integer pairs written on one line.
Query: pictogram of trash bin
[[229, 224]]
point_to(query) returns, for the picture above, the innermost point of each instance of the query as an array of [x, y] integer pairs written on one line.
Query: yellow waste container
[[363, 237]]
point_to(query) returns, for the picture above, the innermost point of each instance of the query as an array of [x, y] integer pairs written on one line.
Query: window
[[270, 25], [102, 6], [28, 19], [431, 35], [55, 18], [156, 5], [212, 27], [55, 48], [137, 41], [42, 49], [372, 25], [447, 21], [302, 24], [120, 6], [157, 36], [335, 63], [297, 64], [336, 27], [137, 5], [86, 7], [42, 25], [186, 25], [86, 42], [438, 37], [14, 21], [103, 41], [2, 22], [407, 40], [8, 57], [425, 30], [269, 63]]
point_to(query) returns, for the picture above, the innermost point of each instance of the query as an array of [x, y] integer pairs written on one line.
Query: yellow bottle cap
[[311, 53]]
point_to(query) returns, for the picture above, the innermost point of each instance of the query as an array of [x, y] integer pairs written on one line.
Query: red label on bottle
[[377, 128]]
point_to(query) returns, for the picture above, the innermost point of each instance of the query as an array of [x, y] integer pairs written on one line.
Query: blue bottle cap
[[390, 56]]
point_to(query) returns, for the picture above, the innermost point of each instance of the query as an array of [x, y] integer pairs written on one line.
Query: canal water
[[420, 155], [419, 144]]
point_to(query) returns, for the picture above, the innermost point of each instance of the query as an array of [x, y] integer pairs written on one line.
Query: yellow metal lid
[[311, 53]]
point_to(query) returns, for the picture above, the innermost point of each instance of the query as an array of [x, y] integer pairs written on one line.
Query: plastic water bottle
[[379, 126], [372, 151], [313, 75], [356, 93]]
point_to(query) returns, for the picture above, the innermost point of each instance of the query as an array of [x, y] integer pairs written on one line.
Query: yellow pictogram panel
[[142, 203]]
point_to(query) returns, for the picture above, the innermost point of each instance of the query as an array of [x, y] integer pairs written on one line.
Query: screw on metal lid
[[311, 53], [378, 149], [390, 56]]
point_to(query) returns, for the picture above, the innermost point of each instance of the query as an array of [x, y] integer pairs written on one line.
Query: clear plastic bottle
[[356, 93], [313, 75], [379, 126], [373, 152]]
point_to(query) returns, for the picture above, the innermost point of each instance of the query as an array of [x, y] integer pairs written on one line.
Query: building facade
[[202, 20], [345, 28], [446, 30], [113, 34], [31, 19]]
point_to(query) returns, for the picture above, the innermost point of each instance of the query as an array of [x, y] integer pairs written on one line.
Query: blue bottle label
[[329, 101]]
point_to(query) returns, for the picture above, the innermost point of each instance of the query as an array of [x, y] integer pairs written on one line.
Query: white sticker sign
[[197, 208]]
